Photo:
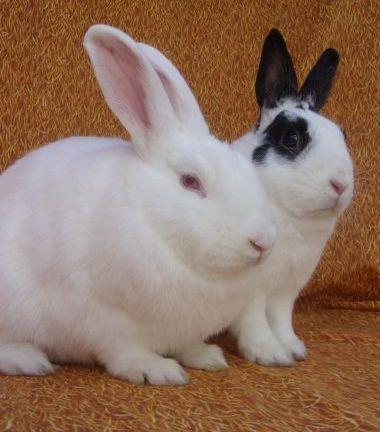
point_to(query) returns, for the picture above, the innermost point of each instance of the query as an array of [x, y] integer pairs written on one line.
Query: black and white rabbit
[[307, 172]]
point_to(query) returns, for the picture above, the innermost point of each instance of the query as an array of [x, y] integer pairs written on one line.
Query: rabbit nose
[[256, 245], [261, 245], [264, 241], [338, 186]]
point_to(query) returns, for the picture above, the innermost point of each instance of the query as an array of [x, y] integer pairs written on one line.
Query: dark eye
[[193, 183], [291, 140]]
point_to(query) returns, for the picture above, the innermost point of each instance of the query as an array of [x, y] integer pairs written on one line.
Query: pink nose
[[338, 187], [257, 245]]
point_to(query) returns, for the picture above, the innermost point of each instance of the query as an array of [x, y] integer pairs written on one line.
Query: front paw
[[296, 347], [267, 354], [151, 370], [204, 356]]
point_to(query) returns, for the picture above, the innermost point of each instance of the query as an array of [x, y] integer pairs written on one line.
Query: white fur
[[105, 257], [204, 356], [303, 205]]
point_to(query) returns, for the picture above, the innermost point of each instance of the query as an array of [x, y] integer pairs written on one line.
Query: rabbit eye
[[192, 182], [291, 140]]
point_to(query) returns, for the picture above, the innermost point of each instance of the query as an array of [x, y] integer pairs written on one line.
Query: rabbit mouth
[[341, 203], [232, 268], [335, 207]]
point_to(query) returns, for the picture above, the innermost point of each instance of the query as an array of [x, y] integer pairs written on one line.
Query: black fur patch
[[319, 81], [288, 137]]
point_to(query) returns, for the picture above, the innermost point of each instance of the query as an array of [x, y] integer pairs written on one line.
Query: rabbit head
[[300, 155], [200, 198]]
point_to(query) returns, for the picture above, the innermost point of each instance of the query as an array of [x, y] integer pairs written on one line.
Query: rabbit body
[[123, 253], [264, 330], [105, 288], [307, 172]]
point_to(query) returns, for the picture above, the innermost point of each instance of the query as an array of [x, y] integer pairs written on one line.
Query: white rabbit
[[126, 253], [307, 172]]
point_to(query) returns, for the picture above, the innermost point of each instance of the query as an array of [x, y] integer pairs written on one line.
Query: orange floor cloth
[[335, 389]]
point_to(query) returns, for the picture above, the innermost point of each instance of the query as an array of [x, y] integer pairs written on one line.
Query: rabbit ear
[[276, 77], [183, 101], [130, 85], [319, 81]]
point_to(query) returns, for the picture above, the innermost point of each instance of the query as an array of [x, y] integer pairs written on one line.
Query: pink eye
[[192, 182]]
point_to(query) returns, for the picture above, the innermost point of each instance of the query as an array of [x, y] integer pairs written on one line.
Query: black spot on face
[[288, 137]]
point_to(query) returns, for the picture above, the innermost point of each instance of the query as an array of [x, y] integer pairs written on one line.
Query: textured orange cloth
[[336, 389], [48, 91]]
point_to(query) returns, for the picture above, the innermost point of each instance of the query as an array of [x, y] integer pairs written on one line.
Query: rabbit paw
[[296, 347], [204, 356], [24, 359], [266, 353], [151, 370]]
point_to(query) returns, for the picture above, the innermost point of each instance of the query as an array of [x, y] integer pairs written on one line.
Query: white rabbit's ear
[[183, 101], [130, 85]]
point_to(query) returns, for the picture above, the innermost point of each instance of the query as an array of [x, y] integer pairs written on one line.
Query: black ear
[[276, 77], [318, 83]]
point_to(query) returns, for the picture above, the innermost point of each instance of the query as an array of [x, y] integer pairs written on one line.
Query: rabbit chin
[[217, 267], [326, 208], [212, 265]]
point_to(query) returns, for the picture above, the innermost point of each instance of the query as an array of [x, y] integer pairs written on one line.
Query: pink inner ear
[[123, 84], [170, 90]]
